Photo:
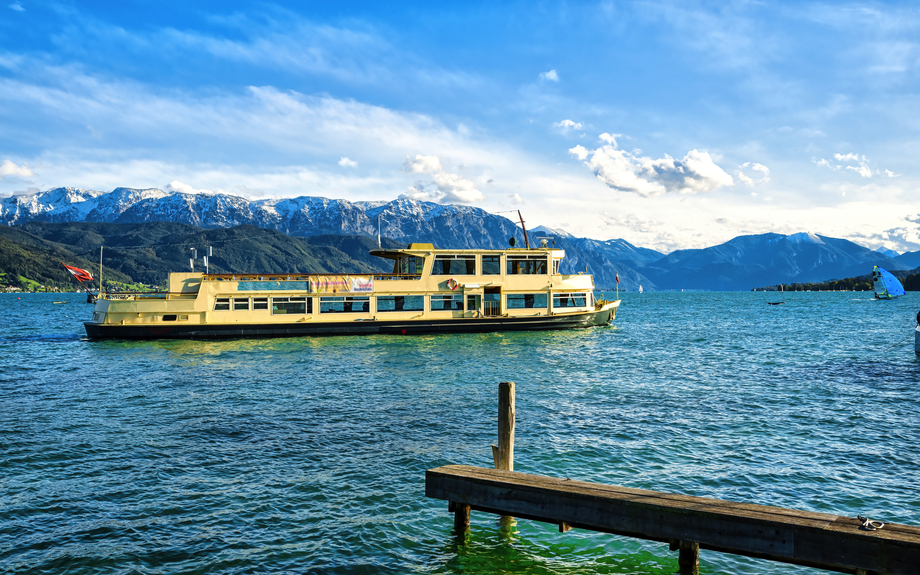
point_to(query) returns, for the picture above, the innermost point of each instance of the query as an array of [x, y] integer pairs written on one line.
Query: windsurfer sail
[[885, 284]]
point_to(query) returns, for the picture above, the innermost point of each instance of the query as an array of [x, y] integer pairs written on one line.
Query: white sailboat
[[640, 288]]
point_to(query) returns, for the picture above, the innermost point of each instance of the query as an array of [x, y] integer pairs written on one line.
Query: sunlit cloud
[[177, 186], [568, 125], [630, 172], [551, 76], [444, 186], [8, 168], [348, 163], [863, 166], [762, 177]]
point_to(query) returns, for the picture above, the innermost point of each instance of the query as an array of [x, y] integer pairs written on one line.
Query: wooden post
[[461, 519], [689, 559], [504, 453]]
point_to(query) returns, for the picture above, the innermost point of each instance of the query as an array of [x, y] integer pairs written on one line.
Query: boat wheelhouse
[[429, 291]]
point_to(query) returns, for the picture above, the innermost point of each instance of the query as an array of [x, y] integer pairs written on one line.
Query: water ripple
[[308, 455]]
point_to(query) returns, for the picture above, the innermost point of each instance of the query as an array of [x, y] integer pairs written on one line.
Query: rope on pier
[[869, 525]]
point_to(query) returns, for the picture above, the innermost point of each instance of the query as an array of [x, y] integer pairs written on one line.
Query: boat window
[[556, 267], [491, 265], [222, 304], [291, 305], [409, 265], [454, 265], [526, 265], [345, 304], [241, 303], [570, 300], [260, 303], [170, 317], [400, 303], [526, 300], [447, 302]]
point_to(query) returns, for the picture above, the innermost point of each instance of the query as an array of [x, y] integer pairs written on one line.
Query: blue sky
[[671, 125]]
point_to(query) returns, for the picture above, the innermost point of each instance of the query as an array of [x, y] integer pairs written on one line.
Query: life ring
[[452, 283]]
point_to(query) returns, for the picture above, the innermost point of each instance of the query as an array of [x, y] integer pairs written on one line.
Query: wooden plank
[[800, 537]]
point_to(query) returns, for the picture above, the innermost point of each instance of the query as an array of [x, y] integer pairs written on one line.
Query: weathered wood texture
[[505, 459], [799, 537]]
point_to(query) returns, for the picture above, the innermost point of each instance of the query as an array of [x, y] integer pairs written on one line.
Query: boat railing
[[147, 295], [387, 277], [303, 277], [491, 308]]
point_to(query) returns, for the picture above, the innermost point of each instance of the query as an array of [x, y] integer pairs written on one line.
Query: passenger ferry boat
[[429, 291]]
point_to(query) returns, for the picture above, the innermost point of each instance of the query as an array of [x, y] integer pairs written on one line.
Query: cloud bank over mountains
[[444, 186]]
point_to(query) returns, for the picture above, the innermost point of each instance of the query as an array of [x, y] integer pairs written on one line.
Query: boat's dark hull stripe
[[361, 327]]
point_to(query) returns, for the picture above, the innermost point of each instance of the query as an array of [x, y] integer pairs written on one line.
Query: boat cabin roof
[[416, 249]]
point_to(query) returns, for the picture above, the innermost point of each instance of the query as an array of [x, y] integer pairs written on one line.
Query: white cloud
[[8, 168], [568, 124], [552, 76], [862, 170], [177, 186], [579, 152], [628, 172], [348, 163], [761, 178], [863, 167], [444, 187], [17, 7], [611, 139], [848, 157], [516, 199]]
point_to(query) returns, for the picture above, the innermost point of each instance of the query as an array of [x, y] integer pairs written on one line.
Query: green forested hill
[[147, 253], [909, 279]]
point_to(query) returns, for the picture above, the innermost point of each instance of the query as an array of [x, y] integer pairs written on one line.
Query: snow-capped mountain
[[887, 252], [739, 264], [412, 220]]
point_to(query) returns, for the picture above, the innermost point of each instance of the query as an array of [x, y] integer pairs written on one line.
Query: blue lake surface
[[309, 455]]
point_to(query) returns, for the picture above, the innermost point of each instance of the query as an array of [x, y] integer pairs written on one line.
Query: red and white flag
[[81, 275], [618, 277]]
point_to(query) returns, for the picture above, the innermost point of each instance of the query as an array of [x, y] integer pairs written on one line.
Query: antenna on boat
[[526, 241]]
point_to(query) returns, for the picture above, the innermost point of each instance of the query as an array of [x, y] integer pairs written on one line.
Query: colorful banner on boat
[[337, 284], [362, 284], [272, 286]]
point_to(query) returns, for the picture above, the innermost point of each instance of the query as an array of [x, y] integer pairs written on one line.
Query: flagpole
[[100, 271]]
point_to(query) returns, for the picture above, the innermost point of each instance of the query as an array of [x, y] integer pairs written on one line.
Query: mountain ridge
[[741, 263]]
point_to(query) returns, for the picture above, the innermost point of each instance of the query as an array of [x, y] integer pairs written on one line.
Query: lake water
[[309, 455]]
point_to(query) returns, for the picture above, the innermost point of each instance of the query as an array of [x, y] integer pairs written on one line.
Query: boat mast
[[526, 241]]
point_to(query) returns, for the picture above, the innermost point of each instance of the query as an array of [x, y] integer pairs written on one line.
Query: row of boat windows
[[394, 303], [465, 265]]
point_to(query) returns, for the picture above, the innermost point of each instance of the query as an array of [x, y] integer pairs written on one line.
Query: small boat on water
[[429, 291], [884, 283]]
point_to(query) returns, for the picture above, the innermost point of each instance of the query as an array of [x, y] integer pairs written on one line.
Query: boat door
[[492, 302]]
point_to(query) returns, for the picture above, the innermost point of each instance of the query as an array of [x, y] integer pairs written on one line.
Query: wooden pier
[[688, 523]]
